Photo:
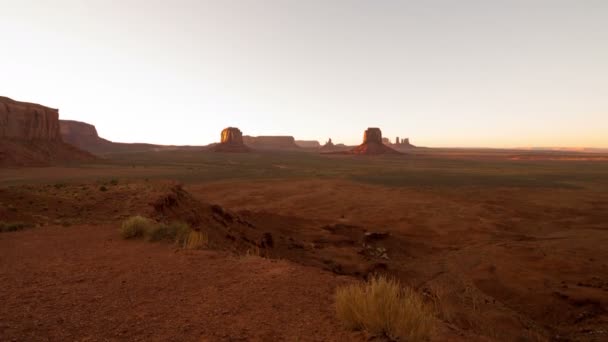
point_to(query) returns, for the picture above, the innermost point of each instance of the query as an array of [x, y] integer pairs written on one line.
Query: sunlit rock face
[[28, 121], [232, 135], [232, 141]]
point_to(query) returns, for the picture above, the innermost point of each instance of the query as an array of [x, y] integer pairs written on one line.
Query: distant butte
[[372, 144], [232, 141]]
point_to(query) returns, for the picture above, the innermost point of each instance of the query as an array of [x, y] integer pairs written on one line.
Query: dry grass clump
[[136, 227], [196, 240], [382, 307], [174, 231]]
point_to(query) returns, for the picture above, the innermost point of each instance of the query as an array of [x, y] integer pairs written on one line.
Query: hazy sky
[[444, 73]]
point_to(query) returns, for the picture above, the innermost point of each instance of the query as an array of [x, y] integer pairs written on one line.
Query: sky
[[485, 73]]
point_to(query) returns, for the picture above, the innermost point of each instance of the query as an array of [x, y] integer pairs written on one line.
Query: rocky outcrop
[[330, 147], [280, 142], [28, 121], [83, 136], [231, 141], [308, 143], [30, 135], [372, 144], [401, 144], [71, 129]]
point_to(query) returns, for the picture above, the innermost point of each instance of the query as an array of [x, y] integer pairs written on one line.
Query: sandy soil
[[85, 283]]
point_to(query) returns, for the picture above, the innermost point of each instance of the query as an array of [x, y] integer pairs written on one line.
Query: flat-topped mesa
[[28, 121], [72, 130], [372, 143], [271, 142], [308, 143], [231, 141], [30, 136]]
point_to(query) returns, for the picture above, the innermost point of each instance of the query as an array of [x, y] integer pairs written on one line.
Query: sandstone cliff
[[30, 135], [83, 136], [28, 121]]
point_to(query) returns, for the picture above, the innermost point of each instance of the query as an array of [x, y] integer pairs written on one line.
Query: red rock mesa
[[30, 135], [372, 143], [232, 141]]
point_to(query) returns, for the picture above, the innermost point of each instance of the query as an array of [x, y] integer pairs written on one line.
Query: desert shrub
[[158, 232], [13, 226], [195, 240], [113, 181], [140, 227], [103, 188], [174, 231], [383, 307], [136, 227]]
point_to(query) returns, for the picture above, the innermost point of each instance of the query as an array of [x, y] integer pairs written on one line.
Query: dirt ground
[[506, 250], [85, 283]]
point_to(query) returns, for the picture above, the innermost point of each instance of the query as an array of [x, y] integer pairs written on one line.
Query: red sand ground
[[500, 263], [84, 283]]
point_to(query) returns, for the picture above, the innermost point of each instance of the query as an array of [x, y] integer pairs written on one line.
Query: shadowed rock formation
[[85, 137], [232, 141], [29, 135], [400, 144], [279, 142], [308, 143], [372, 144], [330, 147]]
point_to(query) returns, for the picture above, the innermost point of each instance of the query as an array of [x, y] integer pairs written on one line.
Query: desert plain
[[502, 245]]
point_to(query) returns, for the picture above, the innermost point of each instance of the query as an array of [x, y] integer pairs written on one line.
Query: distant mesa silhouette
[[372, 144], [271, 142], [400, 143], [308, 143], [231, 141]]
